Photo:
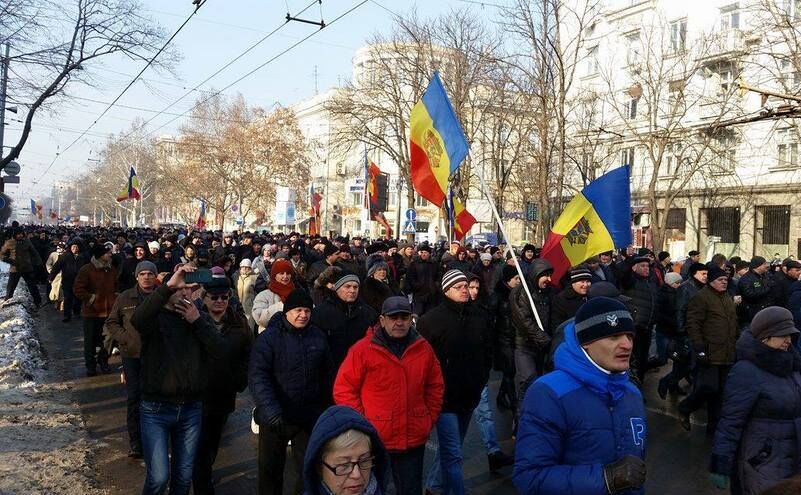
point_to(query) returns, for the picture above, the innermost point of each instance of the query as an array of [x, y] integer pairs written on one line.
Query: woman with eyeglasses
[[345, 456], [227, 375]]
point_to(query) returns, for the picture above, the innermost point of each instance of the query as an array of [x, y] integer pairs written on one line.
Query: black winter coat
[[504, 331], [643, 294], [781, 288], [68, 265], [666, 311], [343, 324], [459, 334], [686, 292], [757, 292], [528, 334], [421, 279], [374, 292], [291, 373], [228, 373], [565, 305], [175, 353], [759, 433]]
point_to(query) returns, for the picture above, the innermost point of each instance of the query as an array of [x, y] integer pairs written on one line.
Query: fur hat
[[328, 276], [298, 298], [374, 263]]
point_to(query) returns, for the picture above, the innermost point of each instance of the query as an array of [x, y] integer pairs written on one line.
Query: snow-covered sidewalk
[[44, 448]]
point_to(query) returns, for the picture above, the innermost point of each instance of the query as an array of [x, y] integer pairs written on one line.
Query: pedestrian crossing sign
[[409, 227]]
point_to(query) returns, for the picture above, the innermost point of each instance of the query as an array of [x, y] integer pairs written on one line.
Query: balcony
[[724, 45]]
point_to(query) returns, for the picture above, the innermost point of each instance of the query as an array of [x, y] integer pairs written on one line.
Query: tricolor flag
[[371, 189], [201, 219], [597, 220], [315, 200], [461, 219], [131, 191], [437, 143]]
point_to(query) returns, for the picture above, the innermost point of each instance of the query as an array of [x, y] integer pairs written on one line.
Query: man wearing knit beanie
[[288, 401], [711, 326], [590, 388], [756, 287], [343, 315], [457, 331], [568, 301]]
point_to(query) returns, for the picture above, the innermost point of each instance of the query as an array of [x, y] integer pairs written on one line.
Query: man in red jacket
[[390, 360]]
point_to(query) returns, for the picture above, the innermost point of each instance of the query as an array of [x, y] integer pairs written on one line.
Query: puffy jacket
[[712, 325], [573, 422], [759, 433], [565, 305], [344, 324], [228, 368], [402, 397], [757, 292], [528, 334], [643, 294], [96, 287], [175, 353], [459, 334], [21, 255], [333, 422], [266, 304], [118, 326], [290, 373]]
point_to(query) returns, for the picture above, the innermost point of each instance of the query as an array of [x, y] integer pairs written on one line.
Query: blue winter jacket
[[573, 422], [290, 373]]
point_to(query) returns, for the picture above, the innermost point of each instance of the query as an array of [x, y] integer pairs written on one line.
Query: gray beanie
[[146, 266]]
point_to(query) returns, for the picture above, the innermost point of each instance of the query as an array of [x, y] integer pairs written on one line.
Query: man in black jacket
[[421, 280], [643, 291], [68, 265], [756, 287], [783, 279], [570, 299], [177, 342], [459, 334]]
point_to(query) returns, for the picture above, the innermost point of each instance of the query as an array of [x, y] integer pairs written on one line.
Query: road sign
[[12, 168], [410, 227], [10, 179], [2, 202], [411, 214]]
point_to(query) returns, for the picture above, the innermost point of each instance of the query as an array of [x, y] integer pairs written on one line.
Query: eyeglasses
[[217, 297], [347, 467]]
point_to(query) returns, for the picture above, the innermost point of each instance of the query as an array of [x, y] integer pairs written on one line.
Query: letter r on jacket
[[638, 431]]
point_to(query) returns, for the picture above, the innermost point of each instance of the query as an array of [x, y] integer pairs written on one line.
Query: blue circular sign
[[2, 202], [411, 214]]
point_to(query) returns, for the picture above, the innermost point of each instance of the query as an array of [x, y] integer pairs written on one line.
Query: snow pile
[[20, 352]]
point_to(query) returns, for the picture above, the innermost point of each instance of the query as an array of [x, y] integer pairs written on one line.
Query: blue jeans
[[165, 423], [451, 430], [486, 423]]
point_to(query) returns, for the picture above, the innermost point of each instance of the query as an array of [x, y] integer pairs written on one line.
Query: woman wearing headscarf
[[271, 300], [757, 442]]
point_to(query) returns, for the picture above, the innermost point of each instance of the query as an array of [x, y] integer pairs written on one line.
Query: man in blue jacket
[[582, 428]]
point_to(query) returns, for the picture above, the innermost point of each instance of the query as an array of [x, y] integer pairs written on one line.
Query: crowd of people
[[357, 353]]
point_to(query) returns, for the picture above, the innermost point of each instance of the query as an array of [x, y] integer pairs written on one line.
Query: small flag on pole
[[33, 207], [131, 191], [201, 219]]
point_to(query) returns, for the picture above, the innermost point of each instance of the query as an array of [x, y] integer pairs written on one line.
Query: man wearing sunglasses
[[394, 357]]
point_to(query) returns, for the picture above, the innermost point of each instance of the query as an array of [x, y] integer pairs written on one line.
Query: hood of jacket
[[774, 361], [334, 421], [538, 267], [571, 359]]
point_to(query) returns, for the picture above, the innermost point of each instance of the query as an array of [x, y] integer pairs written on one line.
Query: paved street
[[676, 460]]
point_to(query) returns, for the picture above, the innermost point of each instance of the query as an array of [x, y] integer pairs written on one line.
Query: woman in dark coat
[[378, 285], [757, 442]]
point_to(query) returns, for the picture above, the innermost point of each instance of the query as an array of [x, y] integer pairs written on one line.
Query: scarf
[[281, 290]]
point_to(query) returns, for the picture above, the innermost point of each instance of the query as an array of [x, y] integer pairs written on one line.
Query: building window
[[723, 223], [787, 148], [726, 78], [634, 48], [393, 199], [790, 76], [675, 95], [676, 219], [357, 225], [791, 9], [775, 224], [672, 160], [730, 17], [592, 60], [726, 152], [630, 108], [627, 157], [420, 202], [678, 35], [357, 199]]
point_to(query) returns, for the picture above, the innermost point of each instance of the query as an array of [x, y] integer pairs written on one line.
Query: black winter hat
[[529, 247], [715, 273], [298, 298], [329, 250], [509, 272], [376, 247], [602, 317], [695, 267], [756, 262], [99, 250]]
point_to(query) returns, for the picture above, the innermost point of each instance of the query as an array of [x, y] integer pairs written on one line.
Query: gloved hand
[[721, 481], [625, 474], [276, 425]]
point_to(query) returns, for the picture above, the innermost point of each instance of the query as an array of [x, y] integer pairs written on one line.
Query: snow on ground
[[44, 448]]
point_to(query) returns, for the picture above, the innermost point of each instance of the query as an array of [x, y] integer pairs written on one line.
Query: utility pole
[[3, 86]]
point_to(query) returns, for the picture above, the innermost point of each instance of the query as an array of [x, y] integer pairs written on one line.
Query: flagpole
[[506, 238]]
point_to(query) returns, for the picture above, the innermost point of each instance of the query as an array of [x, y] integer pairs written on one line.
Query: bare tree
[[56, 45]]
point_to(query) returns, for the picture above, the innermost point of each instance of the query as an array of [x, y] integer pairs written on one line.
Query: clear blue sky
[[221, 30]]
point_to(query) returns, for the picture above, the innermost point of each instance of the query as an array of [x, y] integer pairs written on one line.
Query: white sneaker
[[253, 426]]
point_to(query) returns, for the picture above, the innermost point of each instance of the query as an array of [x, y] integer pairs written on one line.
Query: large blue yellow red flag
[[437, 143], [596, 220], [131, 191]]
